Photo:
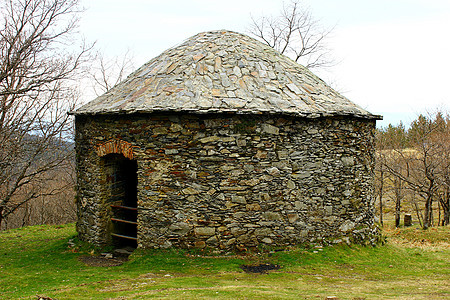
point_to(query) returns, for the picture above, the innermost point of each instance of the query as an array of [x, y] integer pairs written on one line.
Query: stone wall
[[233, 182]]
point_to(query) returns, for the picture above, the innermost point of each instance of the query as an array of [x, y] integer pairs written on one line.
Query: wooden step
[[123, 221], [124, 207], [124, 236]]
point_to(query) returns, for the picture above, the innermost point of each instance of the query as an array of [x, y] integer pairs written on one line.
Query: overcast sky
[[393, 56]]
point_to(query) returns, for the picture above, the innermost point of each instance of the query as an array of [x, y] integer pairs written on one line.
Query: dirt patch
[[101, 261], [261, 268]]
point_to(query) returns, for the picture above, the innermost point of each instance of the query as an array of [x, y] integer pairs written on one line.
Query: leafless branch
[[296, 34], [419, 159], [37, 75], [107, 72]]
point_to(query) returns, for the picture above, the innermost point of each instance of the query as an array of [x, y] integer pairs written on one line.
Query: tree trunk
[[381, 209], [381, 198], [397, 212], [427, 215], [439, 213], [398, 200], [446, 219], [1, 216], [431, 213], [446, 209], [428, 218], [417, 210]]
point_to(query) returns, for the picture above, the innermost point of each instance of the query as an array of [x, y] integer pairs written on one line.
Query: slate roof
[[224, 71]]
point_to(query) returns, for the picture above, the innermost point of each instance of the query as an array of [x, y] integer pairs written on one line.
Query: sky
[[392, 57]]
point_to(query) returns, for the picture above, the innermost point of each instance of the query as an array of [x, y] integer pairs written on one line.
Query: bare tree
[[415, 206], [380, 171], [37, 75], [59, 208], [442, 139], [391, 143], [398, 193], [295, 33], [379, 184], [424, 167], [107, 72]]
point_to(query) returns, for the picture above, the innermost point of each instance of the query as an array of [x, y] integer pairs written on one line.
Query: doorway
[[121, 188]]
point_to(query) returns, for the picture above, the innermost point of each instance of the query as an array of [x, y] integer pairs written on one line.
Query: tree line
[[413, 168]]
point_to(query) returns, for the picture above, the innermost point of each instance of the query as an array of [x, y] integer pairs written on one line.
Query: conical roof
[[224, 71]]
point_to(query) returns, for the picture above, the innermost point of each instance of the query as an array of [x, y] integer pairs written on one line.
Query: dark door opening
[[122, 188]]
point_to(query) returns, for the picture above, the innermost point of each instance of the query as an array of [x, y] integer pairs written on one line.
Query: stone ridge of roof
[[223, 71]]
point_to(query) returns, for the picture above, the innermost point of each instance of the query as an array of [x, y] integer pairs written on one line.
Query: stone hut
[[222, 142]]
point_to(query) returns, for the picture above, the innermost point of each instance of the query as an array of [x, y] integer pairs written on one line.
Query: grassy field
[[414, 264]]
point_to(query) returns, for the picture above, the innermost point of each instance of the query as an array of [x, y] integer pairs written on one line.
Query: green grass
[[37, 261]]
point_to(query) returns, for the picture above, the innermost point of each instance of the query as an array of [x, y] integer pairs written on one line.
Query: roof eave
[[230, 111]]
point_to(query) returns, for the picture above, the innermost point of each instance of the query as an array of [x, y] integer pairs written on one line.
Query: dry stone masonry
[[236, 147]]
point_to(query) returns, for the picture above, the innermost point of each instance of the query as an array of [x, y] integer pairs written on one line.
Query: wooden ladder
[[126, 210]]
